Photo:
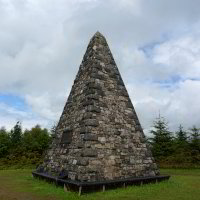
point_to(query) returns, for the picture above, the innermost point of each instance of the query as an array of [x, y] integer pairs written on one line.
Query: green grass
[[184, 184]]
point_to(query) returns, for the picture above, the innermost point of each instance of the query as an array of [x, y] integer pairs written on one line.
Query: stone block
[[94, 109], [89, 152], [88, 115], [99, 146], [138, 128], [129, 104], [83, 130], [93, 97], [97, 76], [90, 137], [111, 162], [94, 86], [88, 102], [72, 175], [74, 162], [102, 139], [80, 145], [91, 122], [82, 162], [120, 82]]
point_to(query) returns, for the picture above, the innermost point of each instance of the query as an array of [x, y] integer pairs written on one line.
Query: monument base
[[99, 185]]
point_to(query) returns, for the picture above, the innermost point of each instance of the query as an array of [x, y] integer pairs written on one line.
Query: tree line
[[21, 148], [170, 149], [175, 149]]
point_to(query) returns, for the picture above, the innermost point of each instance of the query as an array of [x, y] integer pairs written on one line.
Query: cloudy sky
[[156, 45]]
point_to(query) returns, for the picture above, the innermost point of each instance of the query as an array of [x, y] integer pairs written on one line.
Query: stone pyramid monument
[[99, 136]]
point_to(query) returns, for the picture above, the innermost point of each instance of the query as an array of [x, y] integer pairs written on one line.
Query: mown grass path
[[19, 185]]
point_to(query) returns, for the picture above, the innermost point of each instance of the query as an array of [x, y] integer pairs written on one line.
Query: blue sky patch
[[13, 101]]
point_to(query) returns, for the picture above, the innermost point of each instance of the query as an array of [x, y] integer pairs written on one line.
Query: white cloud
[[180, 56], [42, 43], [11, 114]]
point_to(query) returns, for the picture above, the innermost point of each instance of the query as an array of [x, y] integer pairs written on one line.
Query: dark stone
[[63, 174], [94, 109], [137, 122], [88, 115], [82, 162], [91, 122], [117, 132], [99, 67], [116, 71], [129, 105], [93, 97], [138, 128], [90, 137], [148, 153], [84, 129], [113, 76], [89, 153], [89, 91], [80, 145], [131, 116], [102, 104], [68, 128], [112, 118], [94, 86], [107, 70], [69, 105], [120, 82], [123, 93], [88, 102], [97, 76], [101, 93]]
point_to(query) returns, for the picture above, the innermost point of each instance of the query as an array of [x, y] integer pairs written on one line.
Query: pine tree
[[4, 142], [181, 138], [16, 134], [195, 139], [162, 140]]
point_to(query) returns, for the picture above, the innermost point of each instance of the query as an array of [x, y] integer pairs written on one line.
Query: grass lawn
[[19, 185]]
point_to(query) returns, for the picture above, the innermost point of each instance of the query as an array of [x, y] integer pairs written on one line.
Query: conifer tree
[[162, 140], [16, 134], [195, 139], [4, 142], [181, 138]]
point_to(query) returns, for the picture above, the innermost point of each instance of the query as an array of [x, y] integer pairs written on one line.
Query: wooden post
[[124, 185], [104, 188], [65, 188], [141, 183], [80, 190]]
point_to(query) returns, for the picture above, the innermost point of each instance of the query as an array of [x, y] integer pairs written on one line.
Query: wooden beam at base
[[79, 190], [104, 188]]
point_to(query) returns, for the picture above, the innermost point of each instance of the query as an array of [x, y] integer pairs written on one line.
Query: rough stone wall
[[105, 140]]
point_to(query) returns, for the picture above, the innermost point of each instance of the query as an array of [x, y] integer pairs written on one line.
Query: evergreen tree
[[195, 139], [181, 138], [4, 142], [162, 140], [16, 134]]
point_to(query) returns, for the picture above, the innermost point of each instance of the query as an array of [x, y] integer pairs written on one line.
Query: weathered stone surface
[[91, 122], [90, 137], [83, 161], [89, 153], [94, 109], [106, 140]]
